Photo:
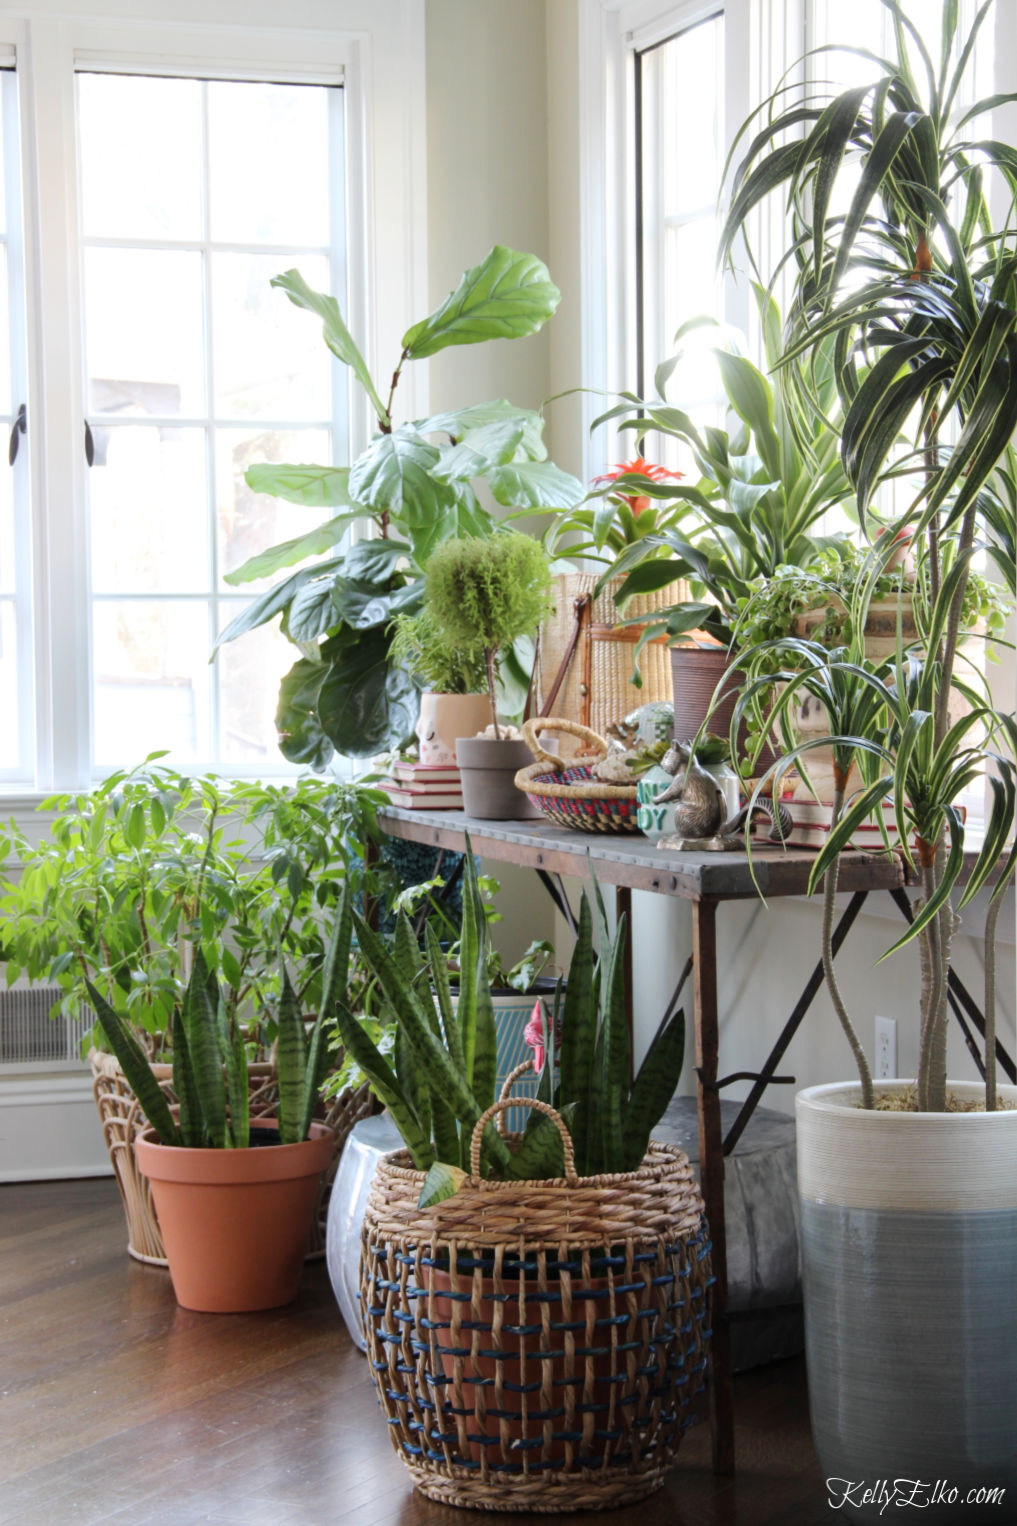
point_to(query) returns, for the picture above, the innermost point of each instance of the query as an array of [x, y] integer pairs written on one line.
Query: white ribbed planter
[[909, 1247]]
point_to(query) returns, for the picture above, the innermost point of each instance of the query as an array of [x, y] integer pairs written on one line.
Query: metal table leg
[[711, 1165]]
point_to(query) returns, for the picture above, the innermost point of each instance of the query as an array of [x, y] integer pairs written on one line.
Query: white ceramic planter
[[443, 717], [909, 1246]]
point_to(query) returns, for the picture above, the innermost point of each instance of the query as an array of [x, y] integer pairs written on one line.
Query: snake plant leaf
[[506, 296], [192, 1128], [439, 974], [541, 1155], [288, 552], [384, 1084], [442, 1181], [616, 1055], [334, 982], [484, 1068], [412, 1078], [337, 336], [535, 485], [653, 1089], [231, 1047], [291, 1059], [579, 1028], [135, 1066], [199, 1009]]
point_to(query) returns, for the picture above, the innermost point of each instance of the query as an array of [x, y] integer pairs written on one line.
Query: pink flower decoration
[[533, 1034]]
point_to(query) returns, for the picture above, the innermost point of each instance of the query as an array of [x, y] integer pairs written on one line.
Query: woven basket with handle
[[566, 792], [536, 1345]]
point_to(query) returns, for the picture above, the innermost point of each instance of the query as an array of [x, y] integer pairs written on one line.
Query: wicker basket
[[584, 644], [122, 1120], [537, 1345], [567, 794]]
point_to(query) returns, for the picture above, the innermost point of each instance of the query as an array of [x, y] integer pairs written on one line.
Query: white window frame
[[375, 48]]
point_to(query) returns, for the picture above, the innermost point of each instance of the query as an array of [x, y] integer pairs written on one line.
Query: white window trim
[[376, 47]]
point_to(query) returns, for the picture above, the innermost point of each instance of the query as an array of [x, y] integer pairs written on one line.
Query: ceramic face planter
[[443, 718]]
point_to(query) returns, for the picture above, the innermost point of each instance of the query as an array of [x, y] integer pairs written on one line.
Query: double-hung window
[[156, 174]]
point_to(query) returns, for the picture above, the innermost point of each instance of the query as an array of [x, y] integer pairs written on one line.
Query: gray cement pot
[[488, 769], [909, 1244]]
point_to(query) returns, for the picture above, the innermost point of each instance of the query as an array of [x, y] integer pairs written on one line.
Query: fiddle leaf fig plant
[[417, 484]]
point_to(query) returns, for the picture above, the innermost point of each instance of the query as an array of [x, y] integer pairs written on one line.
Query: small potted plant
[[235, 1196], [504, 1234], [453, 679], [483, 594]]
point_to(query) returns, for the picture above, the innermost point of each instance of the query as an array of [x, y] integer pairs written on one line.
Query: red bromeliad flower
[[637, 502], [533, 1035]]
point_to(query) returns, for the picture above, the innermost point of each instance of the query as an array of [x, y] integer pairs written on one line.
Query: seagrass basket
[[537, 1346], [122, 1120], [566, 793]]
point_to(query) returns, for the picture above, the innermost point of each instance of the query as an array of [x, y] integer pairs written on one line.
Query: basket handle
[[572, 728], [511, 1079], [501, 1106]]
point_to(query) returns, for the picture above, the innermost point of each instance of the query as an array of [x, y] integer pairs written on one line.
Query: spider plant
[[913, 291]]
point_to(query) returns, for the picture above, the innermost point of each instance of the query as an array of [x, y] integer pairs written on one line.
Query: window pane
[[140, 144], [163, 548], [151, 686], [268, 154], [9, 742], [270, 361], [143, 326], [250, 671], [249, 521]]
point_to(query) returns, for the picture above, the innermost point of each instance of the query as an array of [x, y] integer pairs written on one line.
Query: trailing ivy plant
[[439, 1076], [416, 485]]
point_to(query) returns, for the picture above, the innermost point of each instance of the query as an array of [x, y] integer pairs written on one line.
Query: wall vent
[[29, 1036]]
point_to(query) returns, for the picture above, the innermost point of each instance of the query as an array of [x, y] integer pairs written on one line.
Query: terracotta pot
[[544, 1368], [488, 769], [236, 1223], [695, 673], [443, 717]]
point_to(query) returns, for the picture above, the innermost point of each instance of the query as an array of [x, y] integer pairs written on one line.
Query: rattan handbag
[[537, 1345]]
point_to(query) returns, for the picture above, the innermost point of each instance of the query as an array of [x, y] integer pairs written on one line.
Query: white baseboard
[[50, 1128]]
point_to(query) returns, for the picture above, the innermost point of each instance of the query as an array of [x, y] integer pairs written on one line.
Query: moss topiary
[[421, 647], [484, 593]]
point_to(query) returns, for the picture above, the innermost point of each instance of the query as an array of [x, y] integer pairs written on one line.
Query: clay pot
[[488, 770], [695, 673], [443, 717], [236, 1223]]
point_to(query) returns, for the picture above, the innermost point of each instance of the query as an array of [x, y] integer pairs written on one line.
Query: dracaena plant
[[913, 290], [439, 1076], [416, 485]]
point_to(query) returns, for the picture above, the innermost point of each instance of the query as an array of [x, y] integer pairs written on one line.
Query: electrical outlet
[[886, 1047]]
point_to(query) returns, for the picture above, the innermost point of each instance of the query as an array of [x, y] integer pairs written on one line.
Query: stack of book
[[812, 826], [424, 787]]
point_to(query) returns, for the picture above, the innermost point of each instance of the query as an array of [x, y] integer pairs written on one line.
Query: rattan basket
[[122, 1120], [537, 1346], [567, 793]]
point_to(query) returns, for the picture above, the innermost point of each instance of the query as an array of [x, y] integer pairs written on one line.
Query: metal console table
[[706, 880]]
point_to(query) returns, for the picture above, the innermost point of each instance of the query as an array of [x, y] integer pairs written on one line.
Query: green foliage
[[421, 647], [443, 1075], [152, 863], [416, 485]]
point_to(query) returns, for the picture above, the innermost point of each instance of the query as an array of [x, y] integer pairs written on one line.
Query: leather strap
[[581, 611]]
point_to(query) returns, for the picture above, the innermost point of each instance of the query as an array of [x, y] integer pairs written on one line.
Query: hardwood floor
[[118, 1407]]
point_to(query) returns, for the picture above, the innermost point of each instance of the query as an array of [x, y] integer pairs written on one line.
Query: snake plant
[[210, 1063], [439, 1078]]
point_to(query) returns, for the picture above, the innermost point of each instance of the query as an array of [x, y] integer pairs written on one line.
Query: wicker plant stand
[[537, 1345], [122, 1120]]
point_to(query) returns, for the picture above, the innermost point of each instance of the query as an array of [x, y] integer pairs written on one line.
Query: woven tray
[[567, 794], [537, 1345], [122, 1120]]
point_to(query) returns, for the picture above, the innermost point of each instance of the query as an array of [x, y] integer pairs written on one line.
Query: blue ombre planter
[[909, 1248], [653, 820]]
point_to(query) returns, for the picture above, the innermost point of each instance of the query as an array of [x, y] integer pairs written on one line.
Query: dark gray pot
[[488, 770]]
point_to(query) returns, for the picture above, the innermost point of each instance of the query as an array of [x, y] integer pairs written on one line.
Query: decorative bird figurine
[[700, 811]]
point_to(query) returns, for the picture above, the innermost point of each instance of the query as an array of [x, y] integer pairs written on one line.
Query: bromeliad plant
[[439, 1078], [416, 485], [913, 291]]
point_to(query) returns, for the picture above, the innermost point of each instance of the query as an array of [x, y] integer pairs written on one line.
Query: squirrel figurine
[[700, 820]]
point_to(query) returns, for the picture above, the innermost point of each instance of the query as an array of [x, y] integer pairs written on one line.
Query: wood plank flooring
[[117, 1408]]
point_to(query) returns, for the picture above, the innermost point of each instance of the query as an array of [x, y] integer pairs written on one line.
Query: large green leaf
[[504, 297], [462, 422], [272, 602], [312, 611], [394, 476], [364, 704], [288, 552], [199, 1009], [314, 487], [362, 603], [302, 738], [493, 445], [535, 485], [337, 335], [291, 1060]]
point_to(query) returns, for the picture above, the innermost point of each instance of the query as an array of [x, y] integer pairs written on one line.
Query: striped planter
[[909, 1243]]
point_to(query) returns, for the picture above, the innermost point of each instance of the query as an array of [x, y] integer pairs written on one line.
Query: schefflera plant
[[440, 1075]]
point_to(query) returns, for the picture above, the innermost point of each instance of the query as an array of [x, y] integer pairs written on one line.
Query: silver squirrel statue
[[700, 820]]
